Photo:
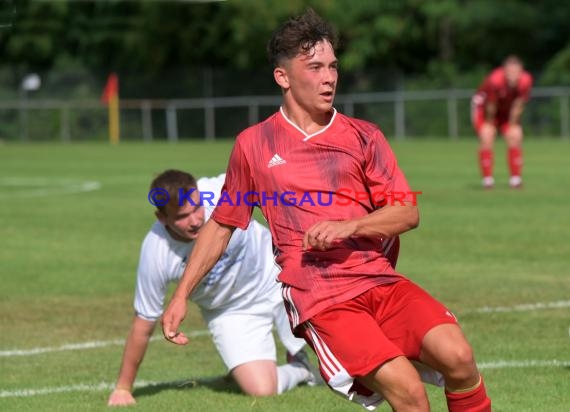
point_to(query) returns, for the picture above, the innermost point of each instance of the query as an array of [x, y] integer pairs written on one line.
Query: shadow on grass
[[218, 383], [500, 186]]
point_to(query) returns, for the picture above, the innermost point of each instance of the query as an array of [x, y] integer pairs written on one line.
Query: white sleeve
[[151, 283]]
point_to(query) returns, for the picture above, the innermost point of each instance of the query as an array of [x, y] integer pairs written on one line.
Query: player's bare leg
[[487, 133], [445, 349], [399, 382], [257, 378], [514, 138], [265, 378]]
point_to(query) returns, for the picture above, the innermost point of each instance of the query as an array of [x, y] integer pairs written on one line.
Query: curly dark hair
[[299, 35]]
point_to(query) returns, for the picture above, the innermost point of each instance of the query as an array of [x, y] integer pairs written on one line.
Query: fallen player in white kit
[[239, 299]]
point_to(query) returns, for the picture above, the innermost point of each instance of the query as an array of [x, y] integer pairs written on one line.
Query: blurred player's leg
[[487, 133], [514, 137]]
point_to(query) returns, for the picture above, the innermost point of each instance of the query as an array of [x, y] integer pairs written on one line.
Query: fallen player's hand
[[121, 397], [171, 320]]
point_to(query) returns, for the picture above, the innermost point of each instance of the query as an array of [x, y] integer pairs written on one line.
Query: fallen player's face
[[185, 222]]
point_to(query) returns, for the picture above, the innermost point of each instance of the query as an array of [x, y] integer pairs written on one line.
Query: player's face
[[513, 72], [183, 223], [313, 78]]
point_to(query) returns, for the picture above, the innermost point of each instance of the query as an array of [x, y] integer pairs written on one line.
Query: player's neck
[[308, 122]]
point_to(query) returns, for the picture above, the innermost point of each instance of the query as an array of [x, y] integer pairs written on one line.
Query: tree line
[[438, 40]]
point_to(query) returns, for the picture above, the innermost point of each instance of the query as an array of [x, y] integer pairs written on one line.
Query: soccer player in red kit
[[308, 166], [497, 107]]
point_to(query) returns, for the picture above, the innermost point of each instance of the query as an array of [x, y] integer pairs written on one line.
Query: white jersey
[[241, 281]]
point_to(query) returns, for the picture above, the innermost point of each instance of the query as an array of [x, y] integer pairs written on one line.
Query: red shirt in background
[[495, 89]]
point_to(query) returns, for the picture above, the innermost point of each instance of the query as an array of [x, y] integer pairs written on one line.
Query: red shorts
[[353, 338], [478, 117]]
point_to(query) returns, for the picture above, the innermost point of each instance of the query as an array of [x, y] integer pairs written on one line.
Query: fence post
[[253, 113], [171, 123], [400, 116], [452, 122], [564, 123], [146, 120], [349, 107], [23, 116], [210, 120], [64, 127]]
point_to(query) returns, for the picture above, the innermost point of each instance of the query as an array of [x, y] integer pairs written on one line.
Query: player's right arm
[[490, 112], [151, 285], [133, 354], [210, 245]]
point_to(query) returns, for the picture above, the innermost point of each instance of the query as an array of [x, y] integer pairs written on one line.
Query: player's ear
[[280, 76]]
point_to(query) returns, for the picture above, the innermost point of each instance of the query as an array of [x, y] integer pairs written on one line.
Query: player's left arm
[[516, 111], [389, 189], [388, 221], [519, 103]]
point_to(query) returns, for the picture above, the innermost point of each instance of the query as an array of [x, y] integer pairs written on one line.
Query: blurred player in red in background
[[497, 106], [367, 323]]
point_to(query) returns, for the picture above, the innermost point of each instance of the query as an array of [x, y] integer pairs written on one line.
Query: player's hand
[[322, 235], [121, 397], [171, 320]]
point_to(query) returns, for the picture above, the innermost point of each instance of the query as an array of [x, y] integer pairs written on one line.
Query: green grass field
[[68, 258]]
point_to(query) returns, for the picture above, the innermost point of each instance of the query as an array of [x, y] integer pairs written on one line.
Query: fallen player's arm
[[133, 355], [210, 246]]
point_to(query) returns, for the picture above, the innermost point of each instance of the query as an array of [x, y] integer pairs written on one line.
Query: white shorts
[[246, 337]]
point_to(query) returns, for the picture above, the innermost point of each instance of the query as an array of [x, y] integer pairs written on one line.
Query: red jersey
[[495, 89], [323, 177]]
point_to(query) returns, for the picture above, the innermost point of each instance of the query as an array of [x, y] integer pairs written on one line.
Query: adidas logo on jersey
[[275, 161]]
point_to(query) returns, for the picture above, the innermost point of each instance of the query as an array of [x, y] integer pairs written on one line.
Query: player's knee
[[411, 396], [486, 141], [257, 378], [514, 136], [461, 363], [400, 385], [417, 392]]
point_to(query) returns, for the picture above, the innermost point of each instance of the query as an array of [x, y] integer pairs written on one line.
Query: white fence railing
[[433, 112]]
